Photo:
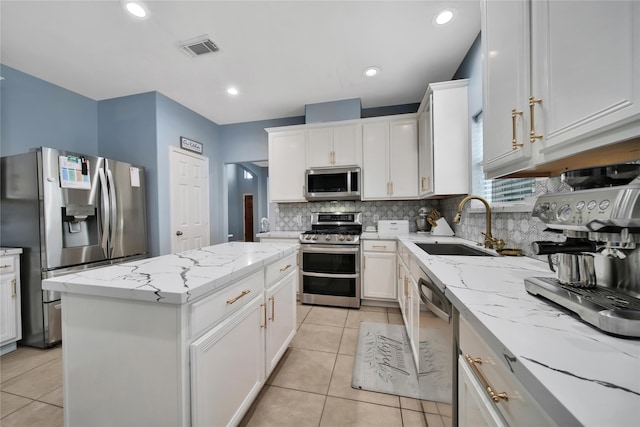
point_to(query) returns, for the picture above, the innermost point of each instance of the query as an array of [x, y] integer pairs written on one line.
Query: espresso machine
[[598, 263]]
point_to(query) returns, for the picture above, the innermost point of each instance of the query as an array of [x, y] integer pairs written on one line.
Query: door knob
[[178, 233]]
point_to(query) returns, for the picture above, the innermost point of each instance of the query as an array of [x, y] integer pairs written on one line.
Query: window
[[494, 190], [247, 174]]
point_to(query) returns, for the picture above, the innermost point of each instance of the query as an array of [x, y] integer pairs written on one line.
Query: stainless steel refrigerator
[[68, 212]]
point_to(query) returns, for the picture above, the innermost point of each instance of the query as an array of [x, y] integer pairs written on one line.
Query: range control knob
[[564, 213], [315, 237], [327, 237], [341, 237], [349, 238]]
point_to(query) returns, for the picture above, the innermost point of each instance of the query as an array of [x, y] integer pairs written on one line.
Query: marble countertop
[[176, 278], [293, 234], [10, 251], [577, 373]]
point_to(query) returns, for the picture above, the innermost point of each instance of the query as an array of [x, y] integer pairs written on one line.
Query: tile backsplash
[[517, 229]]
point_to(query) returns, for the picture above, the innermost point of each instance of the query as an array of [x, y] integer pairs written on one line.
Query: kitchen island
[[176, 340], [577, 374]]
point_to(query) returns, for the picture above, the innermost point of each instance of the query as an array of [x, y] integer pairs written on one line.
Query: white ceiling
[[281, 55]]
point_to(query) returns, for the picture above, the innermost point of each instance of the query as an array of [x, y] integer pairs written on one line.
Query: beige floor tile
[[434, 420], [373, 308], [318, 337], [447, 421], [283, 407], [330, 316], [343, 412], [444, 409], [35, 414], [37, 382], [410, 404], [355, 317], [301, 312], [304, 370], [10, 403], [341, 385], [395, 318], [54, 398], [393, 310], [349, 343], [413, 419], [430, 407], [24, 359]]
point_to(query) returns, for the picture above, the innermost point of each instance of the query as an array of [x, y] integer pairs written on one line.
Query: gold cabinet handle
[[243, 293], [399, 275], [5, 265], [285, 268], [532, 102], [406, 287], [264, 316], [379, 246], [423, 183], [14, 293], [273, 308], [428, 183], [391, 193], [514, 142], [474, 365]]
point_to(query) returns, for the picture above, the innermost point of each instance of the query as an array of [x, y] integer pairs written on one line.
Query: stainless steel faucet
[[489, 241]]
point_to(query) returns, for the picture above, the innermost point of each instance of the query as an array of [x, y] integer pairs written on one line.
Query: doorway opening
[[246, 179]]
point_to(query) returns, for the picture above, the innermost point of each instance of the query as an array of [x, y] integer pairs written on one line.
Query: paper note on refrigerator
[[74, 172], [135, 176]]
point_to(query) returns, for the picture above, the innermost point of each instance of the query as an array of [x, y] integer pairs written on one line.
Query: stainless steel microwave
[[333, 183]]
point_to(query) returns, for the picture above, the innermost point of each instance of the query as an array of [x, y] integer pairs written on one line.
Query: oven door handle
[[335, 276], [332, 249], [436, 293]]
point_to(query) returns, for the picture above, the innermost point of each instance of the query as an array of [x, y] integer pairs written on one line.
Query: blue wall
[[175, 120], [35, 113], [127, 132]]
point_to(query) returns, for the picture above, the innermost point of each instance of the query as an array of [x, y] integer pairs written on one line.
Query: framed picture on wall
[[190, 145]]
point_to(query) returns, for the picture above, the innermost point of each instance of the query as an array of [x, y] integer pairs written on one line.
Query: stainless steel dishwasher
[[437, 361]]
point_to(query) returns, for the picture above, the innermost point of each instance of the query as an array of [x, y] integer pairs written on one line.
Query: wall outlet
[[376, 217], [299, 219]]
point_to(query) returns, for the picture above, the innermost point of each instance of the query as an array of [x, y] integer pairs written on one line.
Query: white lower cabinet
[[200, 363], [379, 269], [281, 318], [227, 368], [488, 391], [475, 407], [10, 318]]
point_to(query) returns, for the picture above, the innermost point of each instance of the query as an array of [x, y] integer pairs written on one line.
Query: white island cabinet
[[10, 317], [177, 340]]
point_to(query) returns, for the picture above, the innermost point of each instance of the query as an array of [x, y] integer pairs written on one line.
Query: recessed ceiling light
[[444, 17], [371, 71], [232, 91], [136, 9]]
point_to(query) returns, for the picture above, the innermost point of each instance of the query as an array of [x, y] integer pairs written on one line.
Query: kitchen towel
[[384, 363]]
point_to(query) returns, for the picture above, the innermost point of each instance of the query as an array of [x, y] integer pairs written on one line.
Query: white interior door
[[189, 200]]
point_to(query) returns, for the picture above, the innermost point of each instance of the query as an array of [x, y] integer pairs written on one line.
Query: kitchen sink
[[452, 249]]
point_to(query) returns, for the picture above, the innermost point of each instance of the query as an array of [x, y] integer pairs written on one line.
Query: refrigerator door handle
[[114, 211], [105, 212]]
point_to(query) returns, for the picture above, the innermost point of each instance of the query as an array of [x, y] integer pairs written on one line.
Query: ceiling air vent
[[199, 46]]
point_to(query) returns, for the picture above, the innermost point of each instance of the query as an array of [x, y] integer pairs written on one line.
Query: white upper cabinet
[[390, 159], [286, 165], [506, 89], [443, 135], [334, 146], [577, 89]]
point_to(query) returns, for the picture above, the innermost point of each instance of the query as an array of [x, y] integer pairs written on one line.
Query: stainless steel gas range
[[330, 273]]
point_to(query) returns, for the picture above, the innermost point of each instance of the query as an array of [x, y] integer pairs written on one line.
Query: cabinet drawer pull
[[264, 307], [243, 293], [514, 142], [273, 308], [532, 103], [14, 293], [379, 246], [474, 365], [5, 265], [285, 267]]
